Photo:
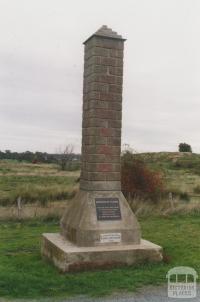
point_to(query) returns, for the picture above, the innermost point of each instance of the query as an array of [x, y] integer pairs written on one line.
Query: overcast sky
[[41, 70]]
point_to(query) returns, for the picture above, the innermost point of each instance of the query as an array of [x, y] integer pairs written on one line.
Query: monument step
[[68, 257]]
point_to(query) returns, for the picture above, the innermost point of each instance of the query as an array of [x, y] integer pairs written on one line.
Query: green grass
[[23, 274]]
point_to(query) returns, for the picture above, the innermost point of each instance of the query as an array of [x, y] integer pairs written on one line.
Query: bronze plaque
[[108, 209]]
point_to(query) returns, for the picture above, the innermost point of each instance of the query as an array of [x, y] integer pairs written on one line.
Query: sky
[[41, 71]]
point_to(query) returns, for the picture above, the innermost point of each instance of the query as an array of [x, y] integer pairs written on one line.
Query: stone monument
[[99, 229]]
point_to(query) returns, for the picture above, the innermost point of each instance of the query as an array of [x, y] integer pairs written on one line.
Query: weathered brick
[[104, 149], [118, 80], [104, 167], [109, 43], [116, 150], [101, 140], [115, 123], [90, 131], [118, 71], [91, 167], [105, 79], [95, 176], [101, 78], [113, 159], [110, 97], [108, 61], [83, 165], [89, 149], [92, 95], [107, 114], [89, 140], [113, 176], [115, 88], [102, 158], [85, 105], [93, 104], [87, 54], [91, 78], [95, 122], [116, 167], [114, 105], [101, 167], [100, 87], [100, 51], [88, 71], [102, 104], [109, 132], [105, 131], [95, 158], [100, 69], [84, 174], [94, 60], [119, 63], [114, 141], [94, 140], [116, 53], [90, 43]]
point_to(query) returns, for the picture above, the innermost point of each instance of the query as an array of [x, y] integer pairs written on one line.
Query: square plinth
[[68, 257]]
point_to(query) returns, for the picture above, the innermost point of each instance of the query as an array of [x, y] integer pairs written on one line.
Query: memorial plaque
[[110, 237], [108, 209]]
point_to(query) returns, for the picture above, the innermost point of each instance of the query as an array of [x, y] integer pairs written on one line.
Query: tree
[[65, 157], [183, 147]]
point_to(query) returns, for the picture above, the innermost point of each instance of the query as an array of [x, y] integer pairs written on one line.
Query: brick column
[[102, 111], [98, 227]]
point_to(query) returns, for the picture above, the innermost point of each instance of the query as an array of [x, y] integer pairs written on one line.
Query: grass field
[[23, 274], [45, 182], [35, 182]]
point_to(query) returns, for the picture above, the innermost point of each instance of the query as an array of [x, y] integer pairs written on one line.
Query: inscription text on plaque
[[108, 208]]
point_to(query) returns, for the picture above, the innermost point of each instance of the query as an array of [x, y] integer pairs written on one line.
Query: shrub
[[197, 189], [184, 196], [139, 181], [183, 147]]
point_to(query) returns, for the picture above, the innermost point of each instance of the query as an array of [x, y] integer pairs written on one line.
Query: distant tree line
[[36, 157]]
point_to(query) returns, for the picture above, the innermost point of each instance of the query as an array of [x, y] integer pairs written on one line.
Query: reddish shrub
[[138, 180]]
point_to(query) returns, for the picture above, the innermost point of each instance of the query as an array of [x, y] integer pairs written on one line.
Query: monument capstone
[[98, 228]]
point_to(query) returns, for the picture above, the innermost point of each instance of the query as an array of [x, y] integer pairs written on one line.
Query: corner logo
[[182, 282]]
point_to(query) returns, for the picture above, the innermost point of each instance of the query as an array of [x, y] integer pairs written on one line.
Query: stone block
[[68, 257]]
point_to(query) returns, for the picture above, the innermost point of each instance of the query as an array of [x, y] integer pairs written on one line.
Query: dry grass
[[35, 183], [42, 194], [10, 168], [163, 208]]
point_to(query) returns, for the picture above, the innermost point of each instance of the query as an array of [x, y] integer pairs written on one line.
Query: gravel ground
[[147, 294]]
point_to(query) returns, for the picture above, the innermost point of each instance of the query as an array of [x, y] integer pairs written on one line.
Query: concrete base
[[80, 224], [67, 257]]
